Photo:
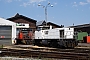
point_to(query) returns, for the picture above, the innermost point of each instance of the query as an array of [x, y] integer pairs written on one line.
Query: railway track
[[77, 53]]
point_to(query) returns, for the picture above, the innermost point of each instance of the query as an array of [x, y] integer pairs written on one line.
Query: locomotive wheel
[[27, 42], [53, 44]]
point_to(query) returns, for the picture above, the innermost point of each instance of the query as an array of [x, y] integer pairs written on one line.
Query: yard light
[[48, 5]]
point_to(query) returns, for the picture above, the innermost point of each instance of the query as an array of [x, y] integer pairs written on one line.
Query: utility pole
[[48, 5]]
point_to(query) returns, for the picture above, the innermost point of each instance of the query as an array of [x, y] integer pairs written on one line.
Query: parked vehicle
[[80, 36], [57, 37]]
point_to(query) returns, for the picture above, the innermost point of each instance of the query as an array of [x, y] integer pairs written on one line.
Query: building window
[[61, 33], [46, 32]]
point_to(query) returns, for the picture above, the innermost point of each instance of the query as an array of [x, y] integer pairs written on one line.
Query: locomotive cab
[[24, 36], [57, 37]]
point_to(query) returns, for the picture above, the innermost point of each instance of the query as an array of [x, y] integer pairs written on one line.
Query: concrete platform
[[84, 44]]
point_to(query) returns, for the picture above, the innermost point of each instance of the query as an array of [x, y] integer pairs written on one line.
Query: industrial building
[[82, 28], [23, 23], [7, 32], [26, 23], [43, 23]]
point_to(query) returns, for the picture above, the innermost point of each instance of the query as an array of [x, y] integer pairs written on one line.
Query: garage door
[[5, 35]]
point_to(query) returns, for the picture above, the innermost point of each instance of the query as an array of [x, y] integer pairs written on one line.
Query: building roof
[[80, 26], [48, 23], [20, 16], [55, 24], [40, 23], [6, 22]]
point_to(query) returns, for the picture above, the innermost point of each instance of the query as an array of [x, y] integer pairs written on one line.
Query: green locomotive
[[80, 36]]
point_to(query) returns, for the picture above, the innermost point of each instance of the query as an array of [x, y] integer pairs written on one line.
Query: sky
[[63, 12]]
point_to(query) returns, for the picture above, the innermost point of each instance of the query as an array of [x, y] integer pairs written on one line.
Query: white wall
[[55, 33], [5, 22]]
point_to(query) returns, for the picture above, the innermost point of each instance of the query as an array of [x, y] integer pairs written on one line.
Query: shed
[[7, 32], [43, 23], [82, 27], [21, 19]]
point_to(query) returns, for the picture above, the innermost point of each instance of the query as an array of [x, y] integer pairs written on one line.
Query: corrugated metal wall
[[5, 35]]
